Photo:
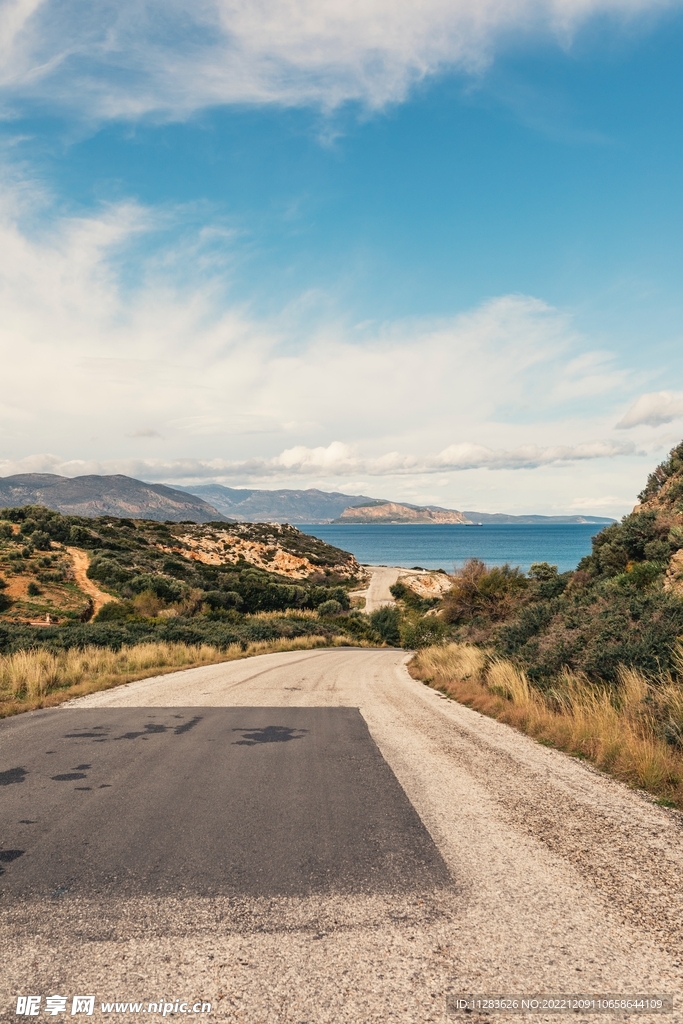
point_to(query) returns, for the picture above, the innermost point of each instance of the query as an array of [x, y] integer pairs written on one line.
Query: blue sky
[[430, 252]]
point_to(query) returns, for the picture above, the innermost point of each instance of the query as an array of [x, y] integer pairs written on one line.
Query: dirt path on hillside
[[81, 562]]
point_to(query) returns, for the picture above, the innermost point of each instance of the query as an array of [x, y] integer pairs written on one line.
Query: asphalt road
[[315, 837], [230, 801]]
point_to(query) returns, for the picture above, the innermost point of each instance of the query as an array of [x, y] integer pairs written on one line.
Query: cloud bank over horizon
[[124, 60], [336, 460], [169, 379]]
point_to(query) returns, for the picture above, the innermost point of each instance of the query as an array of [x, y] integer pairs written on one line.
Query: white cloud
[[336, 460], [127, 59], [166, 378], [653, 409]]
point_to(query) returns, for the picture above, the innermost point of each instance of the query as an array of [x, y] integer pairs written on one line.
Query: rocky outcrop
[[277, 549], [394, 512], [673, 578], [428, 584]]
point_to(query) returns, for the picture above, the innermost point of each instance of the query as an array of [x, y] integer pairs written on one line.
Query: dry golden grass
[[623, 731], [39, 679]]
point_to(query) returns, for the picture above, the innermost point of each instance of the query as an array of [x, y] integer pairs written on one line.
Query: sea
[[448, 546]]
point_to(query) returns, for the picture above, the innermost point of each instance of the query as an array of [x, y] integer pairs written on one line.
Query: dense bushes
[[127, 559], [198, 630], [642, 536], [673, 466], [481, 591], [612, 611], [424, 631], [385, 622]]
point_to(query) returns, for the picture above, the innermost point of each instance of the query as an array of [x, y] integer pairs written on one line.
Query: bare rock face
[[394, 512], [427, 584], [276, 548], [673, 578]]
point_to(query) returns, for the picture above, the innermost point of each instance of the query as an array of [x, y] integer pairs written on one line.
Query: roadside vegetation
[[40, 678], [632, 730], [589, 661]]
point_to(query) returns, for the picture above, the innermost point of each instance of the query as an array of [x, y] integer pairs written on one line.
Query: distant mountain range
[[284, 506], [315, 507], [501, 517], [92, 496], [128, 498]]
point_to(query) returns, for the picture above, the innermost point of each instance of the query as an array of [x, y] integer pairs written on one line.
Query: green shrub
[[426, 631], [642, 575], [385, 622], [83, 538], [115, 611], [33, 589], [161, 586], [543, 572], [477, 590], [329, 608]]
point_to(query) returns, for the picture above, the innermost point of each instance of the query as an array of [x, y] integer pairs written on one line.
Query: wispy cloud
[[336, 460], [133, 358], [653, 410], [130, 59]]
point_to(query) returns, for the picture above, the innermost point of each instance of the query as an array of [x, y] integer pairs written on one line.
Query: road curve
[[556, 879], [378, 593]]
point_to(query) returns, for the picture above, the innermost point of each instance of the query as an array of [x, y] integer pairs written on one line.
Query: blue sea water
[[448, 546]]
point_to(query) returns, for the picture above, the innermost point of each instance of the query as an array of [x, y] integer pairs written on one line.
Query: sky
[[430, 252]]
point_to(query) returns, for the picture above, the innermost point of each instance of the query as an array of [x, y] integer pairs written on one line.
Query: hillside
[[532, 520], [141, 569], [623, 605], [92, 496]]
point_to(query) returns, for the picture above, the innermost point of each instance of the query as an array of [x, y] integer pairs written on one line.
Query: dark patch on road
[[269, 734], [150, 729], [7, 856], [12, 775], [186, 726], [81, 736], [301, 803]]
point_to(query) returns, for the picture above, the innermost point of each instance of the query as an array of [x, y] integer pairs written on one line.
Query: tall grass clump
[[42, 678], [30, 679], [633, 730]]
